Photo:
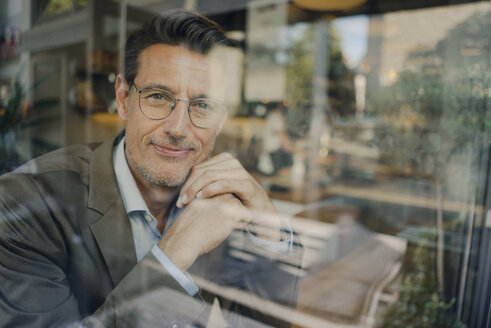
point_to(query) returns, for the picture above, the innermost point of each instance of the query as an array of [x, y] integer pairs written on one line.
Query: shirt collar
[[132, 198]]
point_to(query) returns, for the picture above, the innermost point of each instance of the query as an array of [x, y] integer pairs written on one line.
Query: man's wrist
[[182, 277], [181, 256]]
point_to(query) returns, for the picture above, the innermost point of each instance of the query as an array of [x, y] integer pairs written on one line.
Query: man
[[108, 233]]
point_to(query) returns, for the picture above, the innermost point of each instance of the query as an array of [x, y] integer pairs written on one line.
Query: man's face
[[163, 151]]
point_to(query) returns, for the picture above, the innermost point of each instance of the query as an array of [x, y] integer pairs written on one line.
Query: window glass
[[367, 124]]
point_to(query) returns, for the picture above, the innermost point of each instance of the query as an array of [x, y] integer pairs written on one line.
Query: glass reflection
[[367, 126]]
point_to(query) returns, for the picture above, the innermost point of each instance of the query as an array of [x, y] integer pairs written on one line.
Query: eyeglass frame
[[172, 107]]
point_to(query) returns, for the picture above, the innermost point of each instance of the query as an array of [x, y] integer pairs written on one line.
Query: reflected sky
[[353, 35]]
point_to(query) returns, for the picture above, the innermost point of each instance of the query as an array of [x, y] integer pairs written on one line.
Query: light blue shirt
[[144, 225]]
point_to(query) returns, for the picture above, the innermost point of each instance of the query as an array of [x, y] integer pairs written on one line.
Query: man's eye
[[204, 106], [156, 96]]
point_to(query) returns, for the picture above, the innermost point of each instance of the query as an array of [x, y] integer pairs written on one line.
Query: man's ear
[[122, 92]]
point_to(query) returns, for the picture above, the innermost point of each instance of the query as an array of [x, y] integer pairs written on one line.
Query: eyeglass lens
[[158, 104]]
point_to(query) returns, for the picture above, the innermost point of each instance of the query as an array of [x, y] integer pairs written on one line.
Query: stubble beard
[[162, 179]]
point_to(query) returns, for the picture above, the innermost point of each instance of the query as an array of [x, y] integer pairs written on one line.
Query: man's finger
[[199, 178], [208, 177], [240, 213], [242, 188], [215, 160]]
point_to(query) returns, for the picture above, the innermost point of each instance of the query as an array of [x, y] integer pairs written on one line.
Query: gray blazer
[[67, 254]]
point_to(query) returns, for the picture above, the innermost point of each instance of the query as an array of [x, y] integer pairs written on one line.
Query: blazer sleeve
[[148, 296], [36, 289]]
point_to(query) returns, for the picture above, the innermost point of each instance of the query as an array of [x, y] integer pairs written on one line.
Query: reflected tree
[[436, 126], [300, 72]]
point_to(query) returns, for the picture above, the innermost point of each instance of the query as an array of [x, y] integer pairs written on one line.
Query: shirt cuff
[[183, 278], [284, 246]]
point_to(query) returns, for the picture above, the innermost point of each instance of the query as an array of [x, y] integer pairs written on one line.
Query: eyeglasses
[[158, 104]]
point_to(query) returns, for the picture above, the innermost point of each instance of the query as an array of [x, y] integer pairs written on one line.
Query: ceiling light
[[328, 5]]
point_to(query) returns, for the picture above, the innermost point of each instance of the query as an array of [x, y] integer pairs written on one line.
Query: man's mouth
[[170, 151]]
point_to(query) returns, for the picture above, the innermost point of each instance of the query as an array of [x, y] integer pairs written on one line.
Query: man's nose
[[177, 124]]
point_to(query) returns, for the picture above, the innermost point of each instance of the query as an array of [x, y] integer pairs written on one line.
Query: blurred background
[[367, 121]]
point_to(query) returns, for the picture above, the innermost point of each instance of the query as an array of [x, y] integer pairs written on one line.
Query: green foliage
[[10, 119], [437, 110], [300, 74], [429, 119], [15, 117], [11, 116], [435, 122], [419, 305], [300, 69]]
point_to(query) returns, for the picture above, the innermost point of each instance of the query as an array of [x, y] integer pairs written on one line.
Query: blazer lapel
[[111, 228]]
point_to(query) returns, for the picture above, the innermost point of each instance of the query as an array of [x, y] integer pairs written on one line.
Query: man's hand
[[202, 226], [220, 175], [220, 196], [223, 174]]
